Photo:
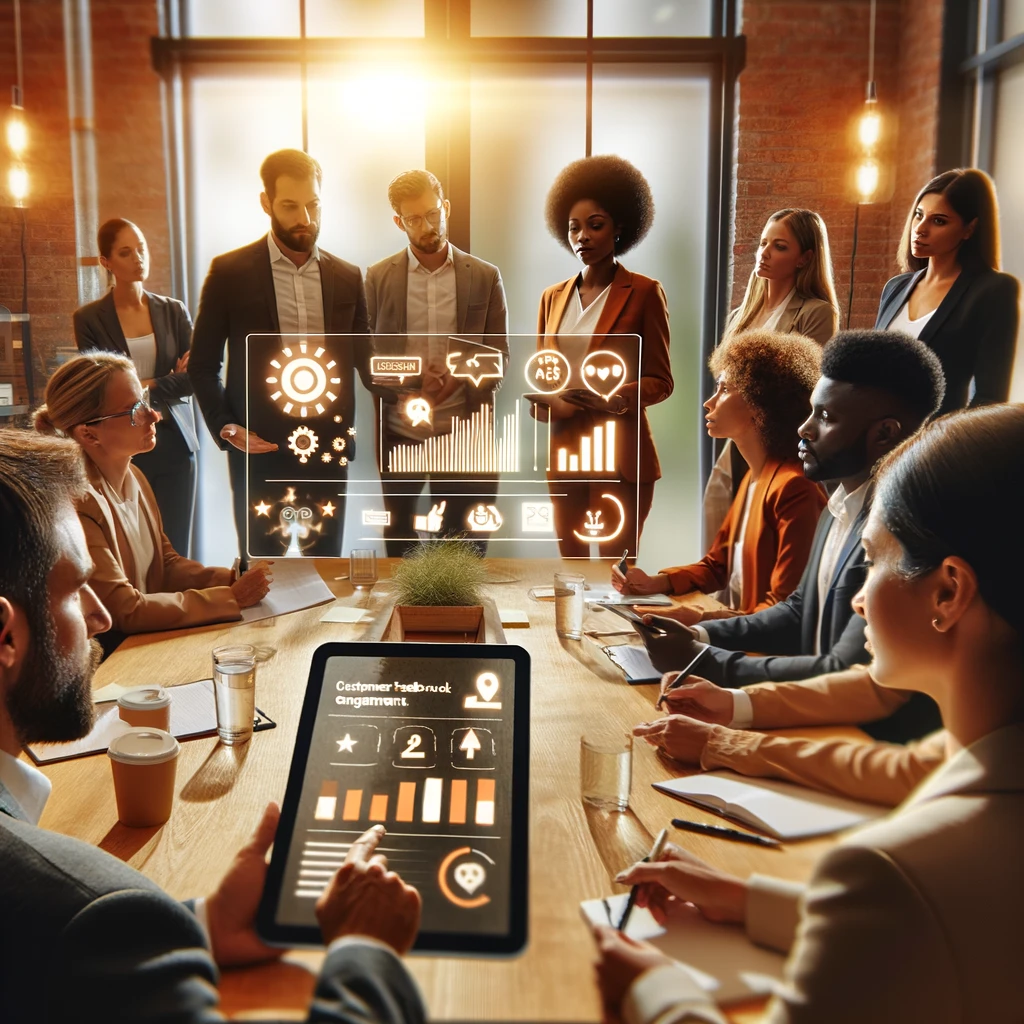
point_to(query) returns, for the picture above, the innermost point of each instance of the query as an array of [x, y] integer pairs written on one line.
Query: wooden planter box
[[438, 624]]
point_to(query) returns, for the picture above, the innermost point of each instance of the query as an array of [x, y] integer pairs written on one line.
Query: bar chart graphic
[[414, 802], [596, 454], [472, 447]]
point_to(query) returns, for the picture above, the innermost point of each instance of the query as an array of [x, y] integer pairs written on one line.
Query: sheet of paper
[[788, 811], [342, 613], [722, 960], [296, 585], [112, 691], [514, 618], [634, 660], [607, 594]]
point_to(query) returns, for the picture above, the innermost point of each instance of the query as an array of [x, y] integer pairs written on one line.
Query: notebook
[[607, 594], [634, 660], [720, 957], [779, 809]]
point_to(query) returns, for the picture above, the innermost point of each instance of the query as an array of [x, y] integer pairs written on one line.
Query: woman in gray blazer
[[916, 916], [155, 332]]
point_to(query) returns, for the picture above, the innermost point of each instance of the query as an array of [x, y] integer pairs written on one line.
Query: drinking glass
[[606, 770], [569, 588], [362, 567], [234, 688]]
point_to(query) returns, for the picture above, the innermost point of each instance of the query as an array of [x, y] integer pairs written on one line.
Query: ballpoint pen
[[622, 567], [721, 832], [659, 845]]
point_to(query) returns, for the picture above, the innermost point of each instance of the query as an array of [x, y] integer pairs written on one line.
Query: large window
[[495, 98]]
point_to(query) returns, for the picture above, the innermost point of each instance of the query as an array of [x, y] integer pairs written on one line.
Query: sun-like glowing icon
[[304, 380], [328, 509], [303, 442], [263, 509], [351, 431], [338, 444], [326, 457]]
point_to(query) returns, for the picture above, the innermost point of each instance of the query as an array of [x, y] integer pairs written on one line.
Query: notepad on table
[[607, 594], [720, 957], [634, 660], [779, 809]]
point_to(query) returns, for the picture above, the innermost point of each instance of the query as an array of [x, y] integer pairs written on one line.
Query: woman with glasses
[[915, 917], [599, 208], [155, 332], [98, 401]]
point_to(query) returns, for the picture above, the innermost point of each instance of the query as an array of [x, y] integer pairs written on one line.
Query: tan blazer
[[916, 917], [180, 592], [881, 773], [814, 318]]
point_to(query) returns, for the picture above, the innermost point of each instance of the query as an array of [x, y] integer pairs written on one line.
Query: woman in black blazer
[[155, 332], [953, 296]]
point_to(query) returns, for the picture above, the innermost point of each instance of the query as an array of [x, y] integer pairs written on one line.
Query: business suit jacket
[[635, 305], [238, 299], [785, 633], [913, 918], [813, 318], [86, 938], [179, 592], [781, 525], [973, 332], [98, 329], [883, 773]]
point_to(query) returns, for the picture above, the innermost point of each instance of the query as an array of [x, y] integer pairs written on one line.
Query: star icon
[[328, 509], [351, 431], [326, 457], [263, 509], [347, 744]]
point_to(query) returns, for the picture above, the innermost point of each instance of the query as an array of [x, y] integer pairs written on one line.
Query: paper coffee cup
[[149, 706], [143, 762]]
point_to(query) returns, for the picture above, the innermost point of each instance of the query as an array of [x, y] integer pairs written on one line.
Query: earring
[[936, 624]]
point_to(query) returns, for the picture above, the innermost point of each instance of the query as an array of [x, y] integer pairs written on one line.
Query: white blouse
[[902, 321], [143, 354], [131, 516]]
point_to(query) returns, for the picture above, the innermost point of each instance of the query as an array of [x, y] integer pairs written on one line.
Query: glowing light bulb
[[17, 132], [867, 179], [869, 128], [17, 183]]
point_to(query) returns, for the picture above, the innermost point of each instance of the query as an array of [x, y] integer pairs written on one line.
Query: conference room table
[[575, 850]]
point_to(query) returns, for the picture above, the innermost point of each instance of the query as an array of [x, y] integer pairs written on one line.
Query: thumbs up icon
[[432, 521]]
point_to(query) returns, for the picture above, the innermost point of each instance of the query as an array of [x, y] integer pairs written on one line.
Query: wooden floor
[[575, 852]]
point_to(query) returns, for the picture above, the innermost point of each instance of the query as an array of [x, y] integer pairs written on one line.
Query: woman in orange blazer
[[599, 208], [144, 583], [764, 383]]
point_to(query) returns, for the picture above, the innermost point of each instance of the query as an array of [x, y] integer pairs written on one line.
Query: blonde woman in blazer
[[916, 916], [599, 208], [144, 583]]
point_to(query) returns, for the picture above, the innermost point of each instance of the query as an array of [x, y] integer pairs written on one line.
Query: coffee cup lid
[[146, 698], [143, 745]]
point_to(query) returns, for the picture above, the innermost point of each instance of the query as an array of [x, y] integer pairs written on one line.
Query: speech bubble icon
[[604, 372], [477, 364], [470, 876], [418, 410], [487, 685], [547, 371]]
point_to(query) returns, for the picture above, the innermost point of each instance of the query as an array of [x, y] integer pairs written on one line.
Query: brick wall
[[800, 94]]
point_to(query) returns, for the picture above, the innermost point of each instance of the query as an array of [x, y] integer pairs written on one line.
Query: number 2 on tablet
[[415, 740]]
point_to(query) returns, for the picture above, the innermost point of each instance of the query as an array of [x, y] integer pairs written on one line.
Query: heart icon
[[604, 372], [470, 876], [487, 685]]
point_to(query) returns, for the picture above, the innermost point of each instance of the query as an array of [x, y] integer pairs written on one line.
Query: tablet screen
[[430, 740]]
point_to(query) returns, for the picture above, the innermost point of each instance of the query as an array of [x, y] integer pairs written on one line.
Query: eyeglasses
[[415, 222], [135, 413]]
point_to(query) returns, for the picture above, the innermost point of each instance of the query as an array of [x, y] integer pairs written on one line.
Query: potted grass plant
[[437, 593]]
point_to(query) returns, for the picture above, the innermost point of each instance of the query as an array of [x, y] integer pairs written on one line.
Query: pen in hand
[[622, 567], [659, 845]]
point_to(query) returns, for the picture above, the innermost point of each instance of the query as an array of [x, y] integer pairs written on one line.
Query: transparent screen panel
[[527, 450]]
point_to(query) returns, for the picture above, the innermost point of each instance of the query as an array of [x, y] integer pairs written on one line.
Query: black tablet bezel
[[462, 943]]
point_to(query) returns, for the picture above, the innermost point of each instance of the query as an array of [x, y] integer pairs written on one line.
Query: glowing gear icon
[[338, 444], [303, 442]]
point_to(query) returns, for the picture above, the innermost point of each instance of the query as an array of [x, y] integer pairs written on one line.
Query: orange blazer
[[635, 305], [784, 513]]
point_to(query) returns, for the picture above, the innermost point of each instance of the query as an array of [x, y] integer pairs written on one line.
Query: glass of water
[[362, 567], [569, 588], [606, 770], [234, 688]]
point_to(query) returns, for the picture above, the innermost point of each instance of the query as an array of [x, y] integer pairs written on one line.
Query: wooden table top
[[575, 851]]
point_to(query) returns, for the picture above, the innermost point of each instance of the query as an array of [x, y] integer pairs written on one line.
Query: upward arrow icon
[[470, 744]]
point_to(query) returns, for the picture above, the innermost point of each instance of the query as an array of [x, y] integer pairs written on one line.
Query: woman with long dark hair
[[951, 294]]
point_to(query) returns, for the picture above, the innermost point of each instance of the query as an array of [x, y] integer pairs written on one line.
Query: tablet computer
[[433, 742]]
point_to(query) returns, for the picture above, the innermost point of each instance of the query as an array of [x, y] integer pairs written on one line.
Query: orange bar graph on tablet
[[378, 807], [326, 802], [485, 801], [406, 801], [353, 802], [457, 808]]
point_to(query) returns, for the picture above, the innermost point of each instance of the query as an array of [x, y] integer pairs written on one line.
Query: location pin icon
[[604, 372], [487, 686], [470, 876]]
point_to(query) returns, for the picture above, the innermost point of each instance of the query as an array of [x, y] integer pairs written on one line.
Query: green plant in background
[[444, 572]]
